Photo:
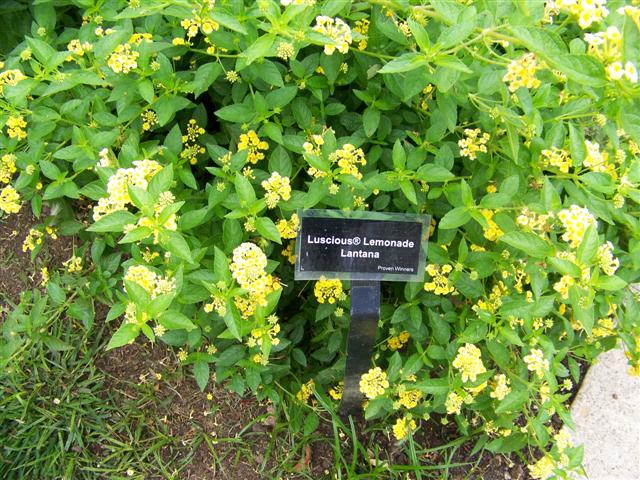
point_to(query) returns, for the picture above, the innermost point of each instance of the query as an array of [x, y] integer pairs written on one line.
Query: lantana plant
[[178, 140]]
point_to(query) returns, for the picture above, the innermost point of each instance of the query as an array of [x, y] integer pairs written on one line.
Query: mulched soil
[[17, 271]]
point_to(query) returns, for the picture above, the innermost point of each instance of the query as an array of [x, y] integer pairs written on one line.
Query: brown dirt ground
[[17, 271], [178, 407]]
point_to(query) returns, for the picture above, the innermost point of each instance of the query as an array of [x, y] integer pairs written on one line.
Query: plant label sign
[[361, 245]]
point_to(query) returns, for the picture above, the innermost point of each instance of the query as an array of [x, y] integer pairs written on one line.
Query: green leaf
[[409, 191], [145, 89], [174, 320], [433, 173], [610, 282], [127, 333], [161, 181], [244, 189], [311, 423], [267, 229], [405, 63], [588, 248], [114, 222], [513, 402], [420, 34], [201, 374], [530, 243], [232, 320], [236, 113], [167, 105], [56, 293], [258, 49], [281, 97], [136, 235], [50, 170], [140, 197], [456, 34], [370, 120], [434, 386], [455, 218], [176, 244], [578, 149], [205, 76]]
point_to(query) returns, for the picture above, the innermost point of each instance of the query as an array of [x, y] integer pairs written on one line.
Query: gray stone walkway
[[607, 416]]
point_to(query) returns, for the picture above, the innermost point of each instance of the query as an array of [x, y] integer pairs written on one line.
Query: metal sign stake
[[365, 313]]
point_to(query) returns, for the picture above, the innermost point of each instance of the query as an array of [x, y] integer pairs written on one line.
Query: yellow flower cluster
[[427, 94], [500, 387], [607, 45], [307, 3], [374, 383], [306, 390], [32, 240], [248, 266], [190, 147], [205, 24], [10, 77], [313, 147], [9, 200], [494, 301], [105, 159], [289, 228], [533, 221], [403, 427], [603, 328], [16, 127], [631, 12], [492, 232], [598, 161], [248, 269], [398, 341], [337, 30], [543, 468], [269, 333], [348, 158], [408, 398], [123, 59], [277, 187], [469, 362], [117, 186], [218, 302], [536, 362], [453, 403], [563, 439], [74, 264], [607, 262], [362, 27], [575, 220], [289, 253], [522, 73], [562, 286], [285, 50], [250, 141], [474, 142], [439, 283], [336, 391], [149, 119], [78, 48], [557, 157], [586, 11], [153, 283], [7, 167], [328, 290]]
